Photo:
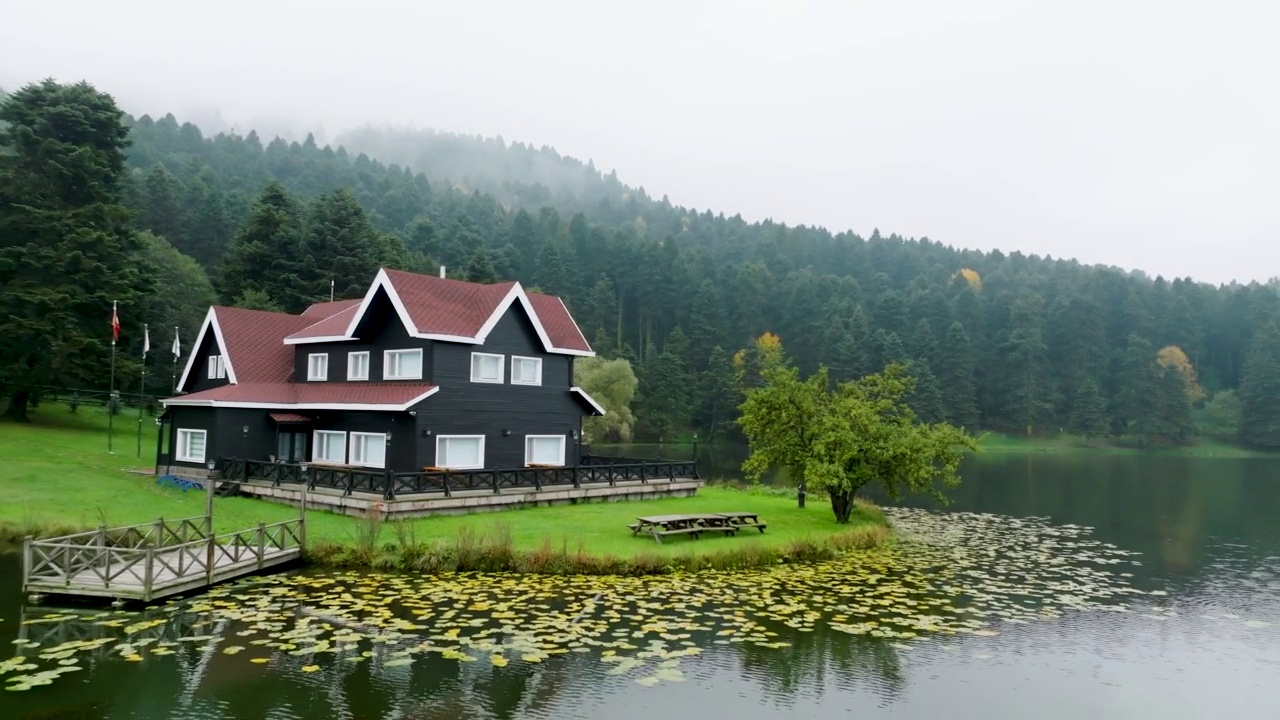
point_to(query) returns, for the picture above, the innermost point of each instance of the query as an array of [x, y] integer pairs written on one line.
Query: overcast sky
[[1142, 134]]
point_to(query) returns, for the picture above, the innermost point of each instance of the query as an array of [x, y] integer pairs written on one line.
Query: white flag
[[177, 348], [146, 341]]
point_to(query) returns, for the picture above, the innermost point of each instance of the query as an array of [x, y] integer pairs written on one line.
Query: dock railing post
[[26, 561], [262, 543], [159, 538], [102, 541], [148, 578], [302, 519]]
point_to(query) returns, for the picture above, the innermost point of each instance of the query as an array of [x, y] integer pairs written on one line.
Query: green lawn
[[56, 476]]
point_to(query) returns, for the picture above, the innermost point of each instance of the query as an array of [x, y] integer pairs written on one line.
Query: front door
[[293, 446]]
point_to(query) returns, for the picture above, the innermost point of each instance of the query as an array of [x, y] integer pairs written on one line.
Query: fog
[[1140, 134]]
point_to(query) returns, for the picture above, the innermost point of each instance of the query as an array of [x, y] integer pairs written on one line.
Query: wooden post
[[262, 543], [26, 561], [148, 578], [159, 538], [302, 518]]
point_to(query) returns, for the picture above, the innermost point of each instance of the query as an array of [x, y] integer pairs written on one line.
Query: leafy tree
[[843, 439], [251, 299], [1221, 416], [67, 251], [1260, 391], [1172, 356], [183, 292], [1089, 411], [613, 384]]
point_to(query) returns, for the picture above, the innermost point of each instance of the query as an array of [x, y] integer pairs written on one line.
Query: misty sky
[[1142, 134]]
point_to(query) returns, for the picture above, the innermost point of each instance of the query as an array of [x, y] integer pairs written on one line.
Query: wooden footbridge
[[155, 560]]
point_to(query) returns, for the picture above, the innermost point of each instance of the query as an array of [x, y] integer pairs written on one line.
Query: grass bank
[[57, 477], [1064, 443]]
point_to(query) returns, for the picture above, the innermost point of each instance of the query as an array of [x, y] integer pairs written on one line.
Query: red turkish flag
[[115, 325]]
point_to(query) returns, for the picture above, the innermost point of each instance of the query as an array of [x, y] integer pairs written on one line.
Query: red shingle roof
[[454, 308], [558, 323], [255, 343], [303, 394], [329, 309]]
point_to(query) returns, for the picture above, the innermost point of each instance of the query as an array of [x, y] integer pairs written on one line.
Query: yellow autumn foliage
[[971, 277], [1173, 356]]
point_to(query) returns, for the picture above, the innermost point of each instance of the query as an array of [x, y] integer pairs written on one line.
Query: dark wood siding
[[462, 407], [199, 378], [402, 449], [380, 330], [194, 418]]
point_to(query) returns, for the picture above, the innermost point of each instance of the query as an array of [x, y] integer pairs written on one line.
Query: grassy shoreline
[[995, 442], [56, 477]]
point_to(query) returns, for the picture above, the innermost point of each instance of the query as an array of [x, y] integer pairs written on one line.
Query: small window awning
[[289, 418]]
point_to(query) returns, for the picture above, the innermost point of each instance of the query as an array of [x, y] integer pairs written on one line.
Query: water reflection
[[1201, 639]]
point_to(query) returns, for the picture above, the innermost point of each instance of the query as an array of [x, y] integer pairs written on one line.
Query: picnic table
[[660, 526]]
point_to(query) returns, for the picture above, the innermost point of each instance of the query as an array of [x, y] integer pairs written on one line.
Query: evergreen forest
[[96, 206]]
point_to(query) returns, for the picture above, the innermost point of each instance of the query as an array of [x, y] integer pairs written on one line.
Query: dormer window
[[318, 366], [358, 365], [402, 364], [217, 367], [526, 370], [486, 367]]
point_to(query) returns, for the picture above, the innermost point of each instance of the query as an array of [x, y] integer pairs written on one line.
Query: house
[[422, 372]]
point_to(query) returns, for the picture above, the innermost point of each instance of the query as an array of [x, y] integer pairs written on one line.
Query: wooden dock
[[155, 560]]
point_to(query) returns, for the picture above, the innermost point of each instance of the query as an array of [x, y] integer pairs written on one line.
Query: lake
[[1104, 586]]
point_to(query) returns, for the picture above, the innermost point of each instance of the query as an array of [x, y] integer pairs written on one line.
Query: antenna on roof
[[441, 271], [330, 289]]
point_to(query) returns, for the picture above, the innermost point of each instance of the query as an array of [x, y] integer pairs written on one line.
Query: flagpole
[[176, 353], [111, 396], [142, 388]]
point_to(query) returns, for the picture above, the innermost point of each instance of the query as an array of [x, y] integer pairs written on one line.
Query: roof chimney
[[441, 271]]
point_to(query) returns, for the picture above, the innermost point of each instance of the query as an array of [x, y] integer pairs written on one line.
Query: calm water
[[1200, 637]]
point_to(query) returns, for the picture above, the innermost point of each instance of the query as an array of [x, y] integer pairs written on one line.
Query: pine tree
[[1134, 408], [1089, 411], [956, 378], [67, 250], [926, 398], [719, 397], [344, 246], [923, 346], [1260, 390], [162, 209], [269, 254], [1171, 421]]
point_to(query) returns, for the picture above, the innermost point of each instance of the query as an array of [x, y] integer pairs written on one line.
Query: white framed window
[[217, 367], [191, 444], [460, 452], [402, 364], [486, 367], [358, 365], [526, 370], [329, 446], [318, 366], [544, 450], [368, 449]]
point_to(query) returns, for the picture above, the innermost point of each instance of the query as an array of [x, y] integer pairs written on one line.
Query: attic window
[[217, 367]]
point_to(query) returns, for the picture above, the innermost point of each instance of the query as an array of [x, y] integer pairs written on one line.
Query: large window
[[329, 446], [358, 366], [461, 452], [526, 370], [217, 367], [369, 449], [190, 446], [402, 365], [318, 366], [486, 368], [544, 450]]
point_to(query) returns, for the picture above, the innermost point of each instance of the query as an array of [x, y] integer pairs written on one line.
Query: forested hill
[[996, 340]]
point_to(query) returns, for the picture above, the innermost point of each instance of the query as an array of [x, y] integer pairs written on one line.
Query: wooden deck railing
[[594, 470], [151, 555]]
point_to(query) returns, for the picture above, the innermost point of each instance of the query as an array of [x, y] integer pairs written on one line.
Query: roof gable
[[250, 342], [452, 311]]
